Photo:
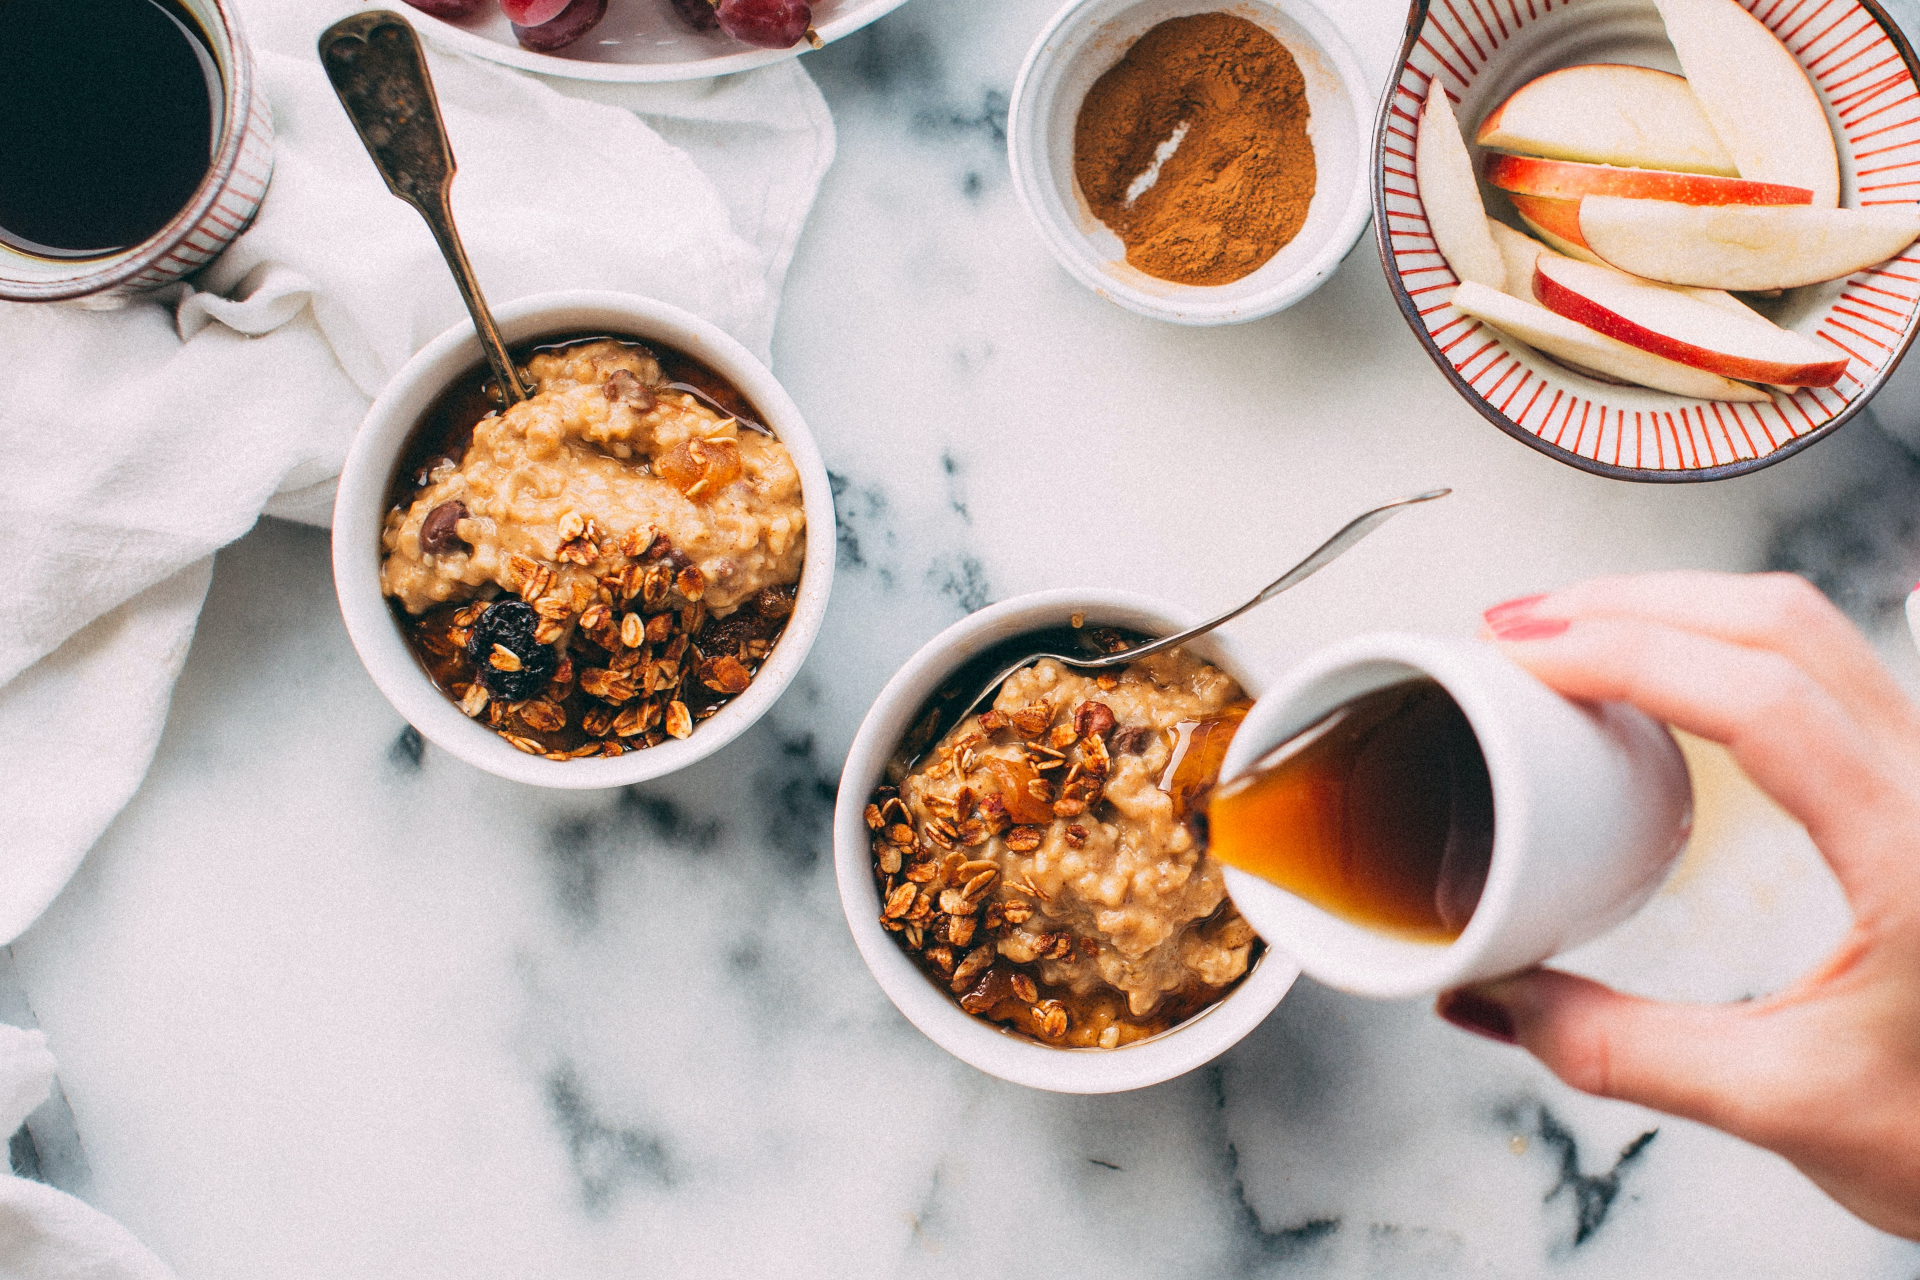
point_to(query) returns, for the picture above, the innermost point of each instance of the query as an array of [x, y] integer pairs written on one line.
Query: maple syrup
[[1380, 812]]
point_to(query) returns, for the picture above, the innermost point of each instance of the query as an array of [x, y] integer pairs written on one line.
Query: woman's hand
[[1826, 1072]]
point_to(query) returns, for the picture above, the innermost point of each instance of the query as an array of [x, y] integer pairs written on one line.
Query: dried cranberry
[[439, 532], [510, 624]]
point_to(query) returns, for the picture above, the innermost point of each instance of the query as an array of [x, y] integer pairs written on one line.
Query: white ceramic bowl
[[931, 1008], [1078, 46], [362, 504]]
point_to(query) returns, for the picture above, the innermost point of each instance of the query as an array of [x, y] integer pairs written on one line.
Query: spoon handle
[[1322, 556], [377, 69]]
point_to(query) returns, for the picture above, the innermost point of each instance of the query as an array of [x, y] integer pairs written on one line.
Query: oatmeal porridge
[[603, 565], [1046, 860]]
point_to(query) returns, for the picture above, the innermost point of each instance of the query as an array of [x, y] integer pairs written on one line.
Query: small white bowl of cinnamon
[[1194, 161]]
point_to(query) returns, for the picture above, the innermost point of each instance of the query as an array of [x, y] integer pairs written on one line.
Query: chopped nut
[[992, 721], [578, 551], [1093, 719], [725, 674], [503, 659], [679, 721], [1107, 681], [1076, 835], [993, 811], [1062, 736], [659, 627], [1024, 839], [1016, 912], [1032, 720], [572, 525], [941, 957]]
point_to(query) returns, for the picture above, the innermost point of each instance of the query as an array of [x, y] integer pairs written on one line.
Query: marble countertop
[[331, 1004]]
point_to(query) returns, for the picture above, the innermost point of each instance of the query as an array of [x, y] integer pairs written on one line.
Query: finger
[[1779, 612], [1709, 1063], [1788, 733]]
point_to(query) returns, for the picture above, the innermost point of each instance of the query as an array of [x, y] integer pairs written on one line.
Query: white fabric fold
[[47, 1234], [139, 441]]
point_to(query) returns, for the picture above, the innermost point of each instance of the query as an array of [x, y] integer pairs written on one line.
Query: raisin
[[510, 624], [439, 532], [774, 602]]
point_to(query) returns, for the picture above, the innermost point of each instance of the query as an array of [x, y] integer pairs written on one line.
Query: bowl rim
[[1018, 1060], [361, 502], [747, 58], [1026, 159], [238, 88], [1410, 311]]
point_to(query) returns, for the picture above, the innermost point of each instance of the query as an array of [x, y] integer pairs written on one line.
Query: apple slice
[[1572, 179], [1451, 195], [1747, 247], [1555, 221], [1608, 113], [1671, 323], [1594, 353], [1518, 252], [1760, 103]]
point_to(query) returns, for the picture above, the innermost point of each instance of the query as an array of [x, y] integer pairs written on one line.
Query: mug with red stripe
[[134, 216]]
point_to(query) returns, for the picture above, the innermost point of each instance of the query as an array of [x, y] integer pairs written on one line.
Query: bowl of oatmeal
[[1031, 887], [603, 583]]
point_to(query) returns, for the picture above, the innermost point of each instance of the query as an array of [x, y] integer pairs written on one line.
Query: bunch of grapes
[[546, 25]]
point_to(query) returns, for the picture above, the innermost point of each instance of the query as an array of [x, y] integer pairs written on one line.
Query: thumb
[[1702, 1062]]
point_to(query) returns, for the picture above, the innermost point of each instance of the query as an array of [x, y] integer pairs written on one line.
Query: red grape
[[697, 14], [448, 8], [574, 21], [771, 24], [531, 13]]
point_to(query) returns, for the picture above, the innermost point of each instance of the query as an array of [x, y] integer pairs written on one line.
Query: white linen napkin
[[136, 443]]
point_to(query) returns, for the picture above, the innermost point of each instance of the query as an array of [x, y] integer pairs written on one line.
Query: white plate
[[638, 40]]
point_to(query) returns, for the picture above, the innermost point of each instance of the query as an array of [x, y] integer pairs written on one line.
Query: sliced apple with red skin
[[1762, 106], [1594, 353], [1746, 247], [1518, 251], [1608, 113], [1450, 195], [1670, 322], [1572, 179], [1555, 221]]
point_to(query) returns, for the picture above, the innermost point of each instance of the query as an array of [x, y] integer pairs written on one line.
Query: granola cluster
[[639, 659], [1045, 861]]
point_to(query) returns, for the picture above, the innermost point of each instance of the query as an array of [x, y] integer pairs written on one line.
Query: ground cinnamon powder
[[1236, 187]]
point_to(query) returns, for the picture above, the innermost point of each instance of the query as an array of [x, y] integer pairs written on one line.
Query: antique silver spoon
[[375, 64], [946, 709]]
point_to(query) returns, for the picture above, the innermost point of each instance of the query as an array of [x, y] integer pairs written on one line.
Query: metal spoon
[[375, 64], [945, 709]]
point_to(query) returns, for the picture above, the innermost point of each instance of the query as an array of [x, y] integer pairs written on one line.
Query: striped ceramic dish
[[221, 208], [1481, 51]]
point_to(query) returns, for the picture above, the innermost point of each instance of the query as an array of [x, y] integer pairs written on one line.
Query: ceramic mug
[[1592, 804], [220, 208]]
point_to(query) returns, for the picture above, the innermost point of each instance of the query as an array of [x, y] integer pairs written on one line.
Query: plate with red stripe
[[1481, 51]]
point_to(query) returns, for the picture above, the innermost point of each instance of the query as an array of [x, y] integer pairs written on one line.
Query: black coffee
[[107, 121]]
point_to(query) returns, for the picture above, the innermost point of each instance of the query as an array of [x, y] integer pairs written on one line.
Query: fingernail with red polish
[[1525, 628], [1512, 608], [1471, 1011]]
